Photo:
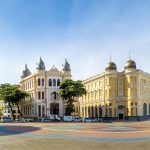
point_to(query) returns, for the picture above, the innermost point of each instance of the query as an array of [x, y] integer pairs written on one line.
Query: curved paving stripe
[[103, 132]]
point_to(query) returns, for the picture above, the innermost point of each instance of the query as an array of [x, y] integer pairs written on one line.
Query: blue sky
[[83, 31]]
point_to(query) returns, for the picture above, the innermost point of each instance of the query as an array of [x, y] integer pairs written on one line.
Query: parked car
[[46, 119], [29, 120], [77, 119], [95, 119], [52, 118], [87, 119], [57, 118], [20, 120], [68, 118], [6, 120], [106, 120]]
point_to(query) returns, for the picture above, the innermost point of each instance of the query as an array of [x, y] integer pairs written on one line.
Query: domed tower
[[66, 66], [26, 72], [40, 66], [66, 70], [130, 64], [110, 66], [110, 82]]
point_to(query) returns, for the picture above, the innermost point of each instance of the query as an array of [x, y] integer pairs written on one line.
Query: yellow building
[[43, 86], [120, 95], [76, 104]]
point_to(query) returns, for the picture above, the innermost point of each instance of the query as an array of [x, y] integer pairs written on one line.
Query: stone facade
[[43, 87]]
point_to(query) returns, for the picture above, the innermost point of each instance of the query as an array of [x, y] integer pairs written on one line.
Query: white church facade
[[43, 86]]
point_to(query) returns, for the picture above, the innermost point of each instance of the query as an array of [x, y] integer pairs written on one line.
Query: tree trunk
[[69, 107], [19, 110], [11, 111]]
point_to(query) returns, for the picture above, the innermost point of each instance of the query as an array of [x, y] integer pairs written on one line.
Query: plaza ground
[[75, 136]]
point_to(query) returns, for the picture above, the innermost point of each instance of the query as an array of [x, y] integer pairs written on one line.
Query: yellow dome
[[110, 66], [130, 64]]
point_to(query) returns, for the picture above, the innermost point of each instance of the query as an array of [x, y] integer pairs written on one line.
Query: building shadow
[[12, 129]]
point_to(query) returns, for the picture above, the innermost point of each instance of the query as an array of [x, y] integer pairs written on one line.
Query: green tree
[[18, 96], [70, 89], [7, 94], [1, 113], [12, 95]]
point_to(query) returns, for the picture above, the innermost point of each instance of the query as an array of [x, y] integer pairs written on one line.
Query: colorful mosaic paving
[[82, 131]]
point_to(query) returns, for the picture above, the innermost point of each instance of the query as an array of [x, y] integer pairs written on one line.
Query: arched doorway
[[121, 112], [54, 108]]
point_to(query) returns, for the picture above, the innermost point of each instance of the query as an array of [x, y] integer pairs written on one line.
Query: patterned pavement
[[29, 133], [93, 131]]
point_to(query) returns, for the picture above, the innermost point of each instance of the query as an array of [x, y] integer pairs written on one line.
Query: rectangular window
[[42, 95], [99, 84], [39, 95], [39, 82], [120, 87], [42, 82]]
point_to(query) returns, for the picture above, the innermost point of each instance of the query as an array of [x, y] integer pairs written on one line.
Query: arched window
[[144, 109], [50, 82], [39, 82], [58, 82], [54, 82], [42, 82]]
